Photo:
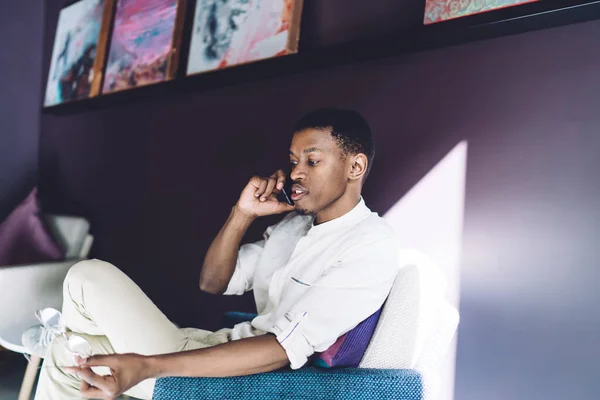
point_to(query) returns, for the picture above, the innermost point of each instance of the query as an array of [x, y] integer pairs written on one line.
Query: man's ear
[[358, 166]]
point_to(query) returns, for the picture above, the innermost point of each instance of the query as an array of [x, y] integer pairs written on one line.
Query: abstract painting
[[442, 10], [73, 65], [233, 32], [143, 36]]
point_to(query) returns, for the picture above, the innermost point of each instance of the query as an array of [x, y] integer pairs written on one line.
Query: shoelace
[[55, 328], [47, 336]]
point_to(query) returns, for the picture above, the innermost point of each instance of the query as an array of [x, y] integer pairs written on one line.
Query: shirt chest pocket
[[294, 288], [303, 273]]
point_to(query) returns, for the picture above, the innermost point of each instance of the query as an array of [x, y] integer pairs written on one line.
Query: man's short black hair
[[347, 127]]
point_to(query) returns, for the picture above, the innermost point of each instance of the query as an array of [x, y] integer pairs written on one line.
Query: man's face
[[318, 170]]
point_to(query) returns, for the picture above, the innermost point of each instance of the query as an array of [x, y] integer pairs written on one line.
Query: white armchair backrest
[[72, 233], [410, 315], [439, 338]]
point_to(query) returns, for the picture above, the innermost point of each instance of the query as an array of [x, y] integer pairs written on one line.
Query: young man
[[316, 275]]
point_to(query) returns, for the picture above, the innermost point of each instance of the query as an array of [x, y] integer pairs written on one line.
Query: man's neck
[[341, 207]]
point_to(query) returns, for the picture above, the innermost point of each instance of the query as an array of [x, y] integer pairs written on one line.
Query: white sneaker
[[37, 339]]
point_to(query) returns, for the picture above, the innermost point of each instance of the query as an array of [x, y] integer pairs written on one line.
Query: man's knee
[[90, 271]]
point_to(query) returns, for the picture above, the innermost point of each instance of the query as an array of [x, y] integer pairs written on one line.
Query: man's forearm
[[237, 358], [221, 256]]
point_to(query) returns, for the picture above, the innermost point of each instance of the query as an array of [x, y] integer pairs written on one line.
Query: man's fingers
[[71, 370], [95, 380], [90, 392], [269, 189], [261, 188], [95, 361], [266, 186], [284, 207], [280, 176], [84, 386]]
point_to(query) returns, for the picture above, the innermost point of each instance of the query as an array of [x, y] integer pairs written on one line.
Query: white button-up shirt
[[314, 283]]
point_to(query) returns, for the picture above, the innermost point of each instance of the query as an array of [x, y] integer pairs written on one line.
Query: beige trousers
[[101, 304]]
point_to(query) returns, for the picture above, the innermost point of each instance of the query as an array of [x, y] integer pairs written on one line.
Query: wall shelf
[[514, 20]]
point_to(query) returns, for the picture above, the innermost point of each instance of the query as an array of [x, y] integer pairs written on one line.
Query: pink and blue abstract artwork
[[74, 52], [140, 44]]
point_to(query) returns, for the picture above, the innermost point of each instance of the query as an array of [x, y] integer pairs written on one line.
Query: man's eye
[[293, 163], [312, 163]]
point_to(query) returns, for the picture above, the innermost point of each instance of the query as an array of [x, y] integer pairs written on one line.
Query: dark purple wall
[[20, 90], [127, 166], [158, 178]]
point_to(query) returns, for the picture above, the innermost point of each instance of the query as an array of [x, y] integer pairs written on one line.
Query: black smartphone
[[286, 193]]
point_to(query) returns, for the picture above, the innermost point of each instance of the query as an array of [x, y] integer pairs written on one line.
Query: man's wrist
[[153, 367], [242, 215]]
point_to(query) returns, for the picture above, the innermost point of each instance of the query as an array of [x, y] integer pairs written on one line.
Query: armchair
[[402, 361], [27, 288]]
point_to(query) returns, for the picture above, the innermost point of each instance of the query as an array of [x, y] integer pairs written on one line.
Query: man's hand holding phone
[[260, 196]]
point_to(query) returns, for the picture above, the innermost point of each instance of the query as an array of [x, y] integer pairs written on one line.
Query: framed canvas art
[[78, 52], [144, 43], [232, 32], [442, 10]]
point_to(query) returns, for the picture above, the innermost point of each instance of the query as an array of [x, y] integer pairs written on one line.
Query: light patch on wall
[[429, 218]]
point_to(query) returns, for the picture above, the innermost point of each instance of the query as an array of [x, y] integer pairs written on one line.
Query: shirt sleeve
[[242, 279], [347, 294], [243, 276]]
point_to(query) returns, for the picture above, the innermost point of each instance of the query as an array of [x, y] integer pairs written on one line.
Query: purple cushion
[[350, 348], [23, 237]]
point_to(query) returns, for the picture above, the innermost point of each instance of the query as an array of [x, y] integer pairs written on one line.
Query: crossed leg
[[103, 305]]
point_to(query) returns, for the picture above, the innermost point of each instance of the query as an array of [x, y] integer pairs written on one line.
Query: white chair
[[27, 288], [417, 323]]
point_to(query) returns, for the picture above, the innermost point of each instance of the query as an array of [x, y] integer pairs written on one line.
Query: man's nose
[[297, 174]]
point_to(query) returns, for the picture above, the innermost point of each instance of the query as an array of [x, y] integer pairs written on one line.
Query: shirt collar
[[352, 217]]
